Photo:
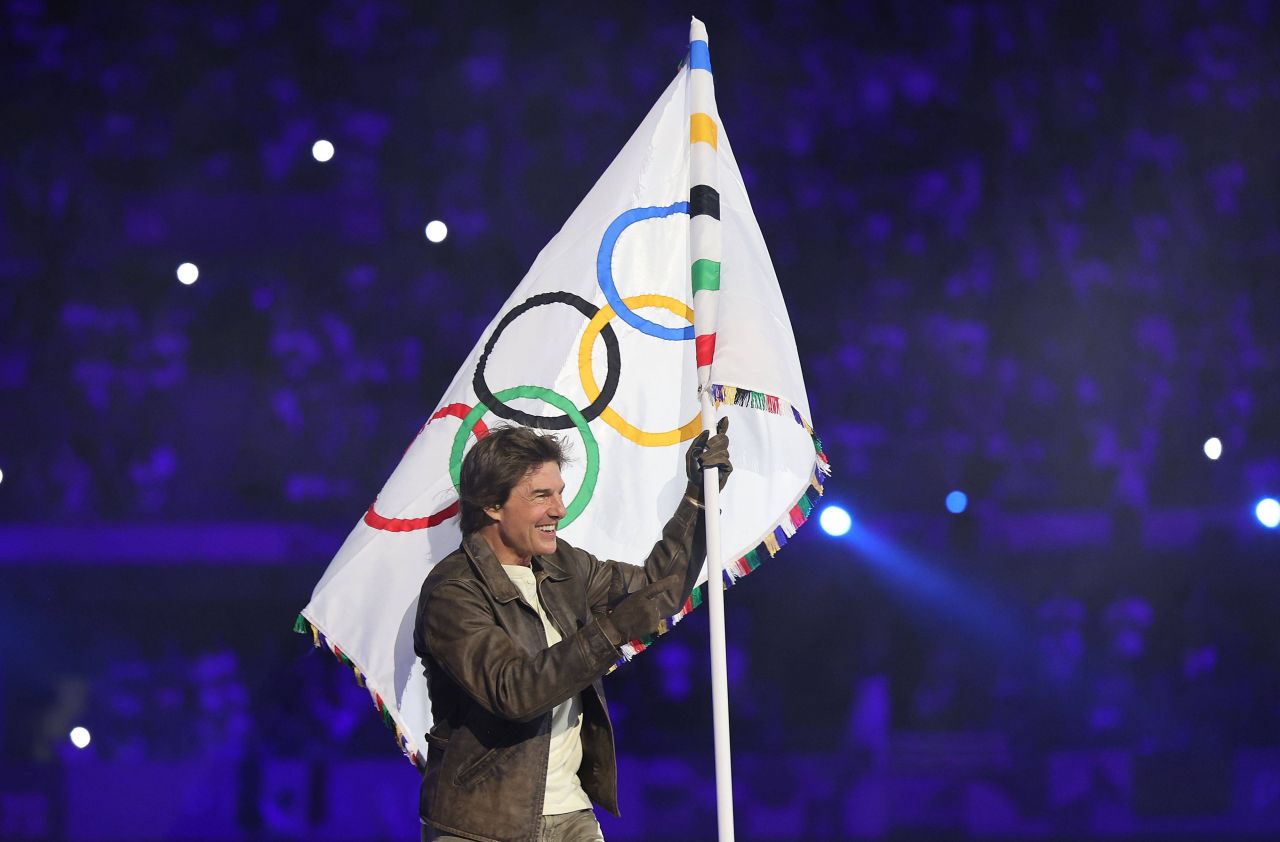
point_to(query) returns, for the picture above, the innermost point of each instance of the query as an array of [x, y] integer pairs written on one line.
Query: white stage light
[[1213, 447], [1268, 512], [835, 521], [80, 736], [437, 231], [322, 150], [187, 273]]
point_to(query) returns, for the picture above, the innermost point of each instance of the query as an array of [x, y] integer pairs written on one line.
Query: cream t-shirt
[[564, 790]]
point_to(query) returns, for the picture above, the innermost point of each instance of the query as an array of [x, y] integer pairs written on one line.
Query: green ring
[[560, 402]]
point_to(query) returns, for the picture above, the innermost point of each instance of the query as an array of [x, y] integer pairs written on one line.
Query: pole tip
[[697, 31]]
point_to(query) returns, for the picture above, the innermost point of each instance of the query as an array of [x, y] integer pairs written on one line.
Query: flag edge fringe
[[793, 517], [390, 718]]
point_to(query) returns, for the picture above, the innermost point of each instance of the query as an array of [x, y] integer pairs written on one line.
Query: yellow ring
[[589, 385]]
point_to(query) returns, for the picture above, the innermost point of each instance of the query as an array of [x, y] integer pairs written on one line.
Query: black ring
[[613, 371], [703, 198]]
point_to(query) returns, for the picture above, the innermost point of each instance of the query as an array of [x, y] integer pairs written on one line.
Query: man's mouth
[[549, 529]]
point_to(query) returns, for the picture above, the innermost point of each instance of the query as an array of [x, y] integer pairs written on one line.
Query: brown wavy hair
[[496, 464]]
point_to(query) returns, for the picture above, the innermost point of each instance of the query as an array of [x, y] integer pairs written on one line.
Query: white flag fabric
[[598, 345]]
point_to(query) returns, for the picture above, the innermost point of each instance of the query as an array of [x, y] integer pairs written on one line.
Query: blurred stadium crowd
[[1029, 249]]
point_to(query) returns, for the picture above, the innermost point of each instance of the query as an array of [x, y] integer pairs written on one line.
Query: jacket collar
[[489, 568], [495, 579], [551, 563]]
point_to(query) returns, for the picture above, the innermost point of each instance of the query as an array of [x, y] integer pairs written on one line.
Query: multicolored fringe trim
[[773, 540], [320, 640]]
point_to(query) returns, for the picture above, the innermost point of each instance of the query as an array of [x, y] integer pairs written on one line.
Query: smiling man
[[515, 630]]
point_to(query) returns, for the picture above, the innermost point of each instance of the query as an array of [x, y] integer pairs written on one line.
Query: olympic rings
[[559, 401], [604, 272], [563, 422], [611, 417], [599, 319], [412, 524]]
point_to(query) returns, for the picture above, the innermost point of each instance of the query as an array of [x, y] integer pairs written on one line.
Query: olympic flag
[[598, 343]]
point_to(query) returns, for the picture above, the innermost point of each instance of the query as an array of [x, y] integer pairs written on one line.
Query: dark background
[[1030, 251]]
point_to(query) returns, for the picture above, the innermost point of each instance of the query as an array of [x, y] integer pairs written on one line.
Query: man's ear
[[494, 512]]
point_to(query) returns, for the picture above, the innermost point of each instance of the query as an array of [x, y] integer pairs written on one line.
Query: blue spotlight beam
[[920, 580]]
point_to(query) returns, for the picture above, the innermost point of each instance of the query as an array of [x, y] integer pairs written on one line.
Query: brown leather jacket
[[493, 680]]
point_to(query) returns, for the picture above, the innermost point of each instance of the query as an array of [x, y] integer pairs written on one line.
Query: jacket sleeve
[[462, 636], [681, 549]]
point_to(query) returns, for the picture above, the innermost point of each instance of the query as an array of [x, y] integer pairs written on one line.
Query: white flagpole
[[719, 670], [704, 247]]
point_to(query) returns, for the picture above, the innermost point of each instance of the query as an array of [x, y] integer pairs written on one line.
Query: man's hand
[[639, 614], [708, 451]]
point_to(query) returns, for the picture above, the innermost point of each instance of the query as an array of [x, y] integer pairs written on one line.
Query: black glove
[[708, 451], [639, 613]]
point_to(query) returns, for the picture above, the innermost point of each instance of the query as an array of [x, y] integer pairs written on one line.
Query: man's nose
[[557, 507]]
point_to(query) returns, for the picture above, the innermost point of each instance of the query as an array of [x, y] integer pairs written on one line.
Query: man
[[515, 630]]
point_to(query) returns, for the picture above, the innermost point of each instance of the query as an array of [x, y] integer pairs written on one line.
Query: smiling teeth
[[548, 529]]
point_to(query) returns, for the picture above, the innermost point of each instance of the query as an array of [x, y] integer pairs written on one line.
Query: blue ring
[[604, 272]]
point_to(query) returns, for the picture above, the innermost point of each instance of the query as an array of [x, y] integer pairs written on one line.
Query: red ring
[[411, 524]]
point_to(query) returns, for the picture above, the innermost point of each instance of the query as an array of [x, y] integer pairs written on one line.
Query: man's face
[[526, 523]]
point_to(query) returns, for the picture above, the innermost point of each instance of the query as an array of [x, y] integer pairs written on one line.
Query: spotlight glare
[[187, 273], [1213, 447], [79, 736], [957, 502], [437, 231], [1268, 512], [322, 150], [1, 476], [835, 521]]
